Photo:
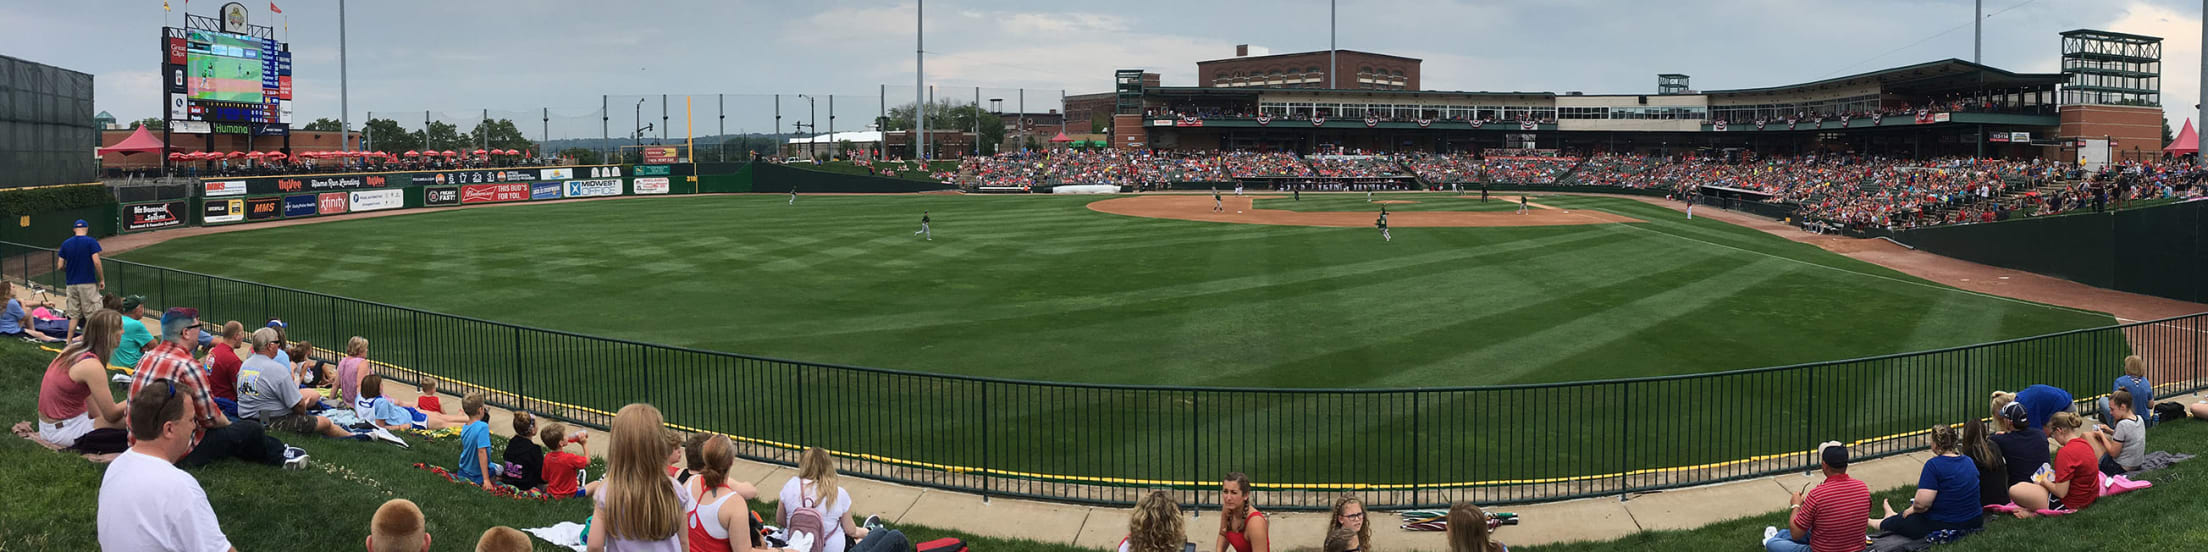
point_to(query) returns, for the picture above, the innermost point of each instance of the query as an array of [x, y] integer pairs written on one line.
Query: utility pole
[[919, 80], [1977, 31], [1331, 67]]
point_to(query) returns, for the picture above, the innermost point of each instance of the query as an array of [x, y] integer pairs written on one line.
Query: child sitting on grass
[[428, 401], [475, 443], [524, 459], [398, 527], [563, 472]]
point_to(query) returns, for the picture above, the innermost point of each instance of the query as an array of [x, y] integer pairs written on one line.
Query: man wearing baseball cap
[[1828, 518], [216, 437], [79, 261]]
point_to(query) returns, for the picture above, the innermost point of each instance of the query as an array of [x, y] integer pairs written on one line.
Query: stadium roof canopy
[[1928, 78]]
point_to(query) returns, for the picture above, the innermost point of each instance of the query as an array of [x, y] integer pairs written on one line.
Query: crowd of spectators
[[352, 164]]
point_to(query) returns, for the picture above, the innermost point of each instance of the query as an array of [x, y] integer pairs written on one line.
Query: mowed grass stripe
[[1043, 288]]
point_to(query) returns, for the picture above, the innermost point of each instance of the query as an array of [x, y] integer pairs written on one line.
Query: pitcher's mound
[[1242, 210]]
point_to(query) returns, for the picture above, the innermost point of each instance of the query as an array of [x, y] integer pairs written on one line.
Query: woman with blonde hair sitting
[[638, 506], [815, 488], [1155, 526]]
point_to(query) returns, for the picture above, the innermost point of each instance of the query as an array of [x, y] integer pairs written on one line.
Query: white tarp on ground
[[1086, 189]]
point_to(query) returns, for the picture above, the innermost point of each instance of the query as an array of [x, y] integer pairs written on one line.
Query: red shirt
[[1834, 513], [2075, 463], [562, 471], [429, 403], [222, 378]]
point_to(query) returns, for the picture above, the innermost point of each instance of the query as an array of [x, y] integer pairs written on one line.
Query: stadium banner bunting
[[150, 216], [1371, 121], [1718, 125], [544, 190], [1189, 121], [494, 193], [376, 200], [1423, 123], [1318, 121], [304, 205], [1264, 119], [222, 211], [263, 208], [1528, 125], [334, 203], [651, 186], [445, 195], [593, 188], [1876, 117]]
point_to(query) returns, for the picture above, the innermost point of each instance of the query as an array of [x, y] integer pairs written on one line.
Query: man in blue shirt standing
[[79, 261]]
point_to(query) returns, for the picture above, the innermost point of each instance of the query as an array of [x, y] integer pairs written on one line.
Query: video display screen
[[223, 67]]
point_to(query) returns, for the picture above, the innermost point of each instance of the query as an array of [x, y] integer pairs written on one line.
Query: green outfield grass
[[1043, 288]]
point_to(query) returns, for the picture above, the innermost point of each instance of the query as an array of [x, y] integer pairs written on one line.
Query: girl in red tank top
[[1241, 527]]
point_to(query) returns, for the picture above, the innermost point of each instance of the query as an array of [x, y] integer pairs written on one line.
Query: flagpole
[[344, 102]]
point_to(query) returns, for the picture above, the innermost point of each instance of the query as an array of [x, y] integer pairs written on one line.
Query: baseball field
[[1049, 288]]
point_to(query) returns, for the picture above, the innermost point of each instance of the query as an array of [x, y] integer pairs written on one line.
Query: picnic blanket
[[27, 430], [2160, 459], [565, 534]]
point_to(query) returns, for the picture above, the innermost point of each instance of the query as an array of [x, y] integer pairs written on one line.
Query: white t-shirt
[[791, 501], [148, 504]]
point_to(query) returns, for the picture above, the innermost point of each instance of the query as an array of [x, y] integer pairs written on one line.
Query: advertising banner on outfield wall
[[602, 172], [655, 185], [494, 193], [441, 196], [485, 177], [281, 185], [544, 190], [593, 188], [149, 216], [301, 206], [225, 188], [263, 208], [377, 200], [652, 170], [660, 155], [334, 203], [220, 211], [556, 174]]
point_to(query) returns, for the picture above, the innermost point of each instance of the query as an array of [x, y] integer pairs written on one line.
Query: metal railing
[[1104, 444]]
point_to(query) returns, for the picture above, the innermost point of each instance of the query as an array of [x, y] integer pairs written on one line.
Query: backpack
[[809, 519], [2166, 411]]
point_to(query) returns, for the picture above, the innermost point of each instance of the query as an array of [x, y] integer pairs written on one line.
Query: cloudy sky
[[517, 58]]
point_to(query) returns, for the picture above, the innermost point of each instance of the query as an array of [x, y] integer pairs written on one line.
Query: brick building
[[1359, 71]]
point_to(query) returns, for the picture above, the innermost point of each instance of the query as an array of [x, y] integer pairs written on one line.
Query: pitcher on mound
[[1522, 205]]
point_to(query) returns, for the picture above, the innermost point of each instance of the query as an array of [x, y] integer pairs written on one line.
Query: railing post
[[1195, 447], [521, 400], [419, 367], [985, 431], [1417, 478]]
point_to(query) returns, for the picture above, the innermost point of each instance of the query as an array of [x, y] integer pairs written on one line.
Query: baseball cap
[[1833, 454], [133, 301], [2016, 414], [177, 319], [276, 323], [82, 224]]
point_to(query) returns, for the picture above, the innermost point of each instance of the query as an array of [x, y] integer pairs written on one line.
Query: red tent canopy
[[139, 141], [2187, 141], [1060, 138]]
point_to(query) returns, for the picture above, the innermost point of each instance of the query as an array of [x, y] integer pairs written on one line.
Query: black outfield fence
[[1104, 444]]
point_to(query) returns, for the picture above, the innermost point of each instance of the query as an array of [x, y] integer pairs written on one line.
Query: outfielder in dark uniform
[[1483, 193], [1216, 206], [1522, 205], [924, 227], [1383, 224]]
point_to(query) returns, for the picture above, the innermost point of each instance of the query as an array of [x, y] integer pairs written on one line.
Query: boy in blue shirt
[[475, 442], [2142, 392]]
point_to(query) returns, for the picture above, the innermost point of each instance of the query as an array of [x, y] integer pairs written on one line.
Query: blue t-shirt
[[2142, 393], [389, 413], [76, 253], [11, 322], [474, 439], [135, 340], [1956, 479], [2042, 402]]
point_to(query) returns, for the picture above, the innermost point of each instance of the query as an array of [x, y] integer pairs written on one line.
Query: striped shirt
[[1834, 513]]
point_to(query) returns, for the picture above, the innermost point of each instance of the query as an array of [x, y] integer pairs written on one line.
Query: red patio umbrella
[[255, 155], [235, 154], [412, 153], [448, 153], [176, 156], [276, 156], [480, 151]]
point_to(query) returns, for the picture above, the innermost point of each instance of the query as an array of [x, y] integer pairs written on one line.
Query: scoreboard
[[218, 79]]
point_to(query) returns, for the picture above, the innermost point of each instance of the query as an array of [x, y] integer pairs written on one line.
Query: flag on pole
[[272, 8], [164, 5]]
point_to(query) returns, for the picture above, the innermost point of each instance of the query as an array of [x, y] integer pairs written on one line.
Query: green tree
[[2166, 136], [503, 135], [324, 124], [949, 117], [151, 123], [581, 155], [1100, 122], [843, 149], [385, 135], [446, 136]]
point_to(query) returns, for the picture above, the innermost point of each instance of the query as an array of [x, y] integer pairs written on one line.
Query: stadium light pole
[[2201, 108], [344, 101], [1331, 66], [1977, 31], [919, 80]]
